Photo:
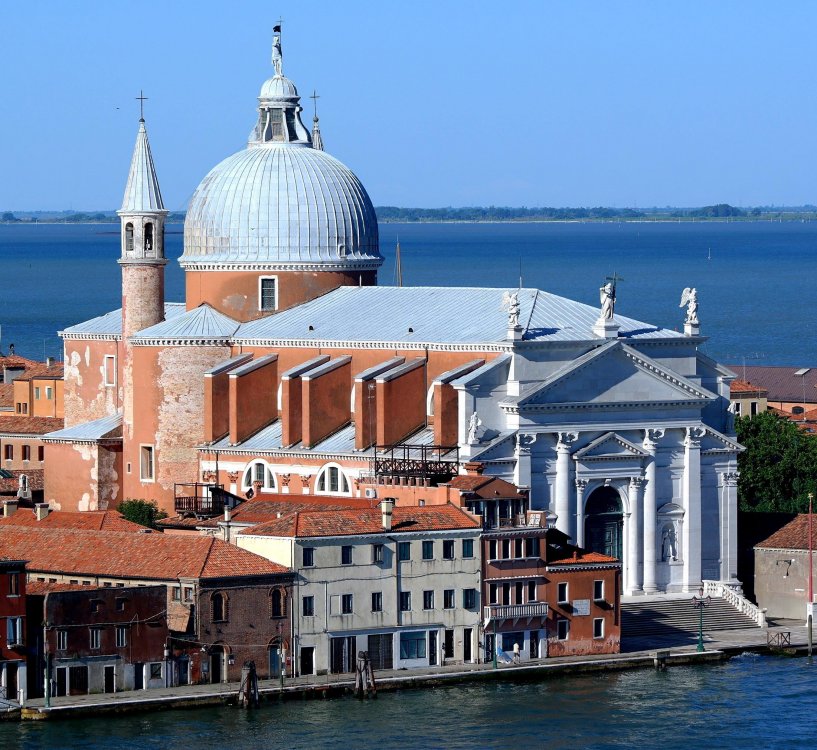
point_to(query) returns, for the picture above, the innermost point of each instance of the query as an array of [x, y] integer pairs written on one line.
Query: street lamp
[[698, 602]]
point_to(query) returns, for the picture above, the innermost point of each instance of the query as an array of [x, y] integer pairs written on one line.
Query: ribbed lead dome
[[281, 202]]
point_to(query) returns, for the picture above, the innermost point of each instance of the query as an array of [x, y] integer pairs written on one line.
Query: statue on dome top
[[510, 302], [689, 297], [277, 57]]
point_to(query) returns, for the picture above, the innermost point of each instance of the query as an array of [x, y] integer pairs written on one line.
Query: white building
[[404, 588]]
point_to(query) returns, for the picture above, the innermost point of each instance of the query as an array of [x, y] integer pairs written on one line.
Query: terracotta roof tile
[[794, 535], [15, 361], [583, 558], [485, 487], [40, 588], [744, 386], [366, 521], [781, 382], [103, 520], [6, 395], [117, 554], [28, 425], [42, 370]]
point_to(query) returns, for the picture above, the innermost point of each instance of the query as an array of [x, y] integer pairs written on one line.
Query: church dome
[[282, 203]]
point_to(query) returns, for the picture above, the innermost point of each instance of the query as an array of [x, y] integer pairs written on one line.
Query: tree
[[8, 216], [779, 466], [143, 512]]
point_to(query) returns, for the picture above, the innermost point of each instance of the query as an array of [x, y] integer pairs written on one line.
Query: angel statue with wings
[[510, 302], [689, 298]]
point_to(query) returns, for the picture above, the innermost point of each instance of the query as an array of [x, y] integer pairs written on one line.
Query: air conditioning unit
[[370, 492]]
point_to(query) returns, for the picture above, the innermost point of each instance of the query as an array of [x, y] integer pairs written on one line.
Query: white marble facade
[[630, 444]]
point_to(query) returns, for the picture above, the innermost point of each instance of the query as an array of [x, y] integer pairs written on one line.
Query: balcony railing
[[200, 499], [437, 463], [515, 611]]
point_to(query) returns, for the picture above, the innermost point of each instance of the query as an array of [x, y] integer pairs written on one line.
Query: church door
[[604, 522]]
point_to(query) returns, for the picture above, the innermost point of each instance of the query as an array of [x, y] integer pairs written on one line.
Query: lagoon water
[[755, 293], [750, 701]]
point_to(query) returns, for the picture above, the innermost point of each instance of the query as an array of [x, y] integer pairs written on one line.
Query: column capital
[[565, 440], [581, 484], [637, 482], [524, 441], [651, 437], [730, 478], [693, 437]]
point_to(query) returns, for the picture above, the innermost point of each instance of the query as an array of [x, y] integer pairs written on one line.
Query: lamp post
[[698, 602]]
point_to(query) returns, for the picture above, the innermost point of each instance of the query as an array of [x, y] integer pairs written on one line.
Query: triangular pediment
[[714, 441], [610, 446], [614, 374]]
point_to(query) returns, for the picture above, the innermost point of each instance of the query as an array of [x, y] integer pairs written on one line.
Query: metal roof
[[142, 190], [202, 322], [110, 324], [457, 315], [98, 429]]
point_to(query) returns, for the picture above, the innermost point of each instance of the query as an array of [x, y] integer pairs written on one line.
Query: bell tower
[[142, 259]]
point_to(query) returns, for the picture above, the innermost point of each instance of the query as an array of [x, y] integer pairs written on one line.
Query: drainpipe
[[46, 671]]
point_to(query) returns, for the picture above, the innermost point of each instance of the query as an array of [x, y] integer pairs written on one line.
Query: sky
[[430, 103]]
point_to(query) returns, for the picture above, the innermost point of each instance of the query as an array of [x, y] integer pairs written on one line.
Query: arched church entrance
[[604, 522]]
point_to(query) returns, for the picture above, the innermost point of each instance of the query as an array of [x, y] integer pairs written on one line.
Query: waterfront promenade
[[636, 654]]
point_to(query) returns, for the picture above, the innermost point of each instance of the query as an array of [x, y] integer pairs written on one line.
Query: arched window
[[797, 410], [332, 481], [129, 237], [218, 602], [148, 237], [258, 471], [278, 603]]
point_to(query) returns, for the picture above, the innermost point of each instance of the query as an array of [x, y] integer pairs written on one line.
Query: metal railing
[[435, 462], [200, 499]]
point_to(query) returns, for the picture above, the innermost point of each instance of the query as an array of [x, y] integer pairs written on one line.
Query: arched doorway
[[604, 522], [218, 664]]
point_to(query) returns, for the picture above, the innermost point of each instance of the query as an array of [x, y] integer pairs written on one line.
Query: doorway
[[217, 664], [110, 678], [467, 635], [274, 653], [343, 654], [432, 648], [307, 660], [604, 522]]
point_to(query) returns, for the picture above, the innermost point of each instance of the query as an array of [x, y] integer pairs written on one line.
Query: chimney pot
[[49, 361], [41, 510], [386, 509], [9, 507]]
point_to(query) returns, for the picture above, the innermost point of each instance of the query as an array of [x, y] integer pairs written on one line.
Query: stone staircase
[[676, 618]]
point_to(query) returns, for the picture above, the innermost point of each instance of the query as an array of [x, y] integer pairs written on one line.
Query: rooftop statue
[[607, 297], [689, 297], [510, 302], [277, 57]]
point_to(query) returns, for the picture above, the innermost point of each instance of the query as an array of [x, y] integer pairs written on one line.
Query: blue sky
[[430, 103]]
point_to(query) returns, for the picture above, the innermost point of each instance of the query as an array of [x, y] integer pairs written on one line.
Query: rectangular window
[[469, 598], [120, 603], [346, 604], [8, 452], [188, 593], [428, 550], [561, 593], [428, 599], [377, 601], [562, 629], [14, 584], [110, 369], [96, 638], [531, 591], [14, 631], [448, 549], [346, 554], [404, 551], [518, 548], [753, 409], [156, 670], [467, 548], [308, 606], [268, 297], [598, 590], [493, 593], [405, 601], [62, 640], [177, 593], [26, 453], [492, 549], [532, 547], [519, 589], [49, 393], [36, 393], [413, 645], [121, 636], [146, 468], [448, 599], [41, 453], [598, 627], [506, 549], [95, 605], [377, 553], [309, 557]]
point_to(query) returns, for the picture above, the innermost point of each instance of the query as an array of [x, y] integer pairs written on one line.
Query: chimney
[[41, 510], [228, 514], [49, 362], [386, 508], [9, 507]]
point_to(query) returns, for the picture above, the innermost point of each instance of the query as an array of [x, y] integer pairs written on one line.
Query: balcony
[[428, 464], [197, 499], [528, 611]]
